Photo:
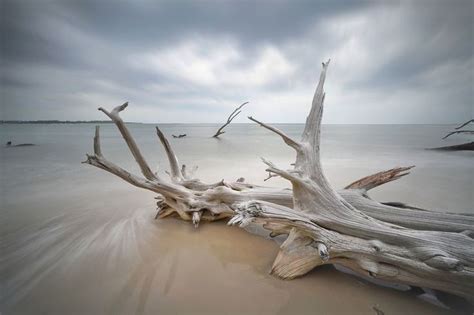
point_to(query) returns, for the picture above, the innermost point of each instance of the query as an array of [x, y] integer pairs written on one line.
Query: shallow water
[[78, 240]]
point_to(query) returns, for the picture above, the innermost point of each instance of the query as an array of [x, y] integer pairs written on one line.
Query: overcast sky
[[391, 62]]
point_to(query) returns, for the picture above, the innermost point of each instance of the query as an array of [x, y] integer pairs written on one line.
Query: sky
[[392, 62]]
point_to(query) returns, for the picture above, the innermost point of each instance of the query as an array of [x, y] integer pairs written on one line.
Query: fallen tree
[[392, 241], [468, 146]]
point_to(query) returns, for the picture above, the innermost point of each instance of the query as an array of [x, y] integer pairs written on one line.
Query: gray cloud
[[176, 61]]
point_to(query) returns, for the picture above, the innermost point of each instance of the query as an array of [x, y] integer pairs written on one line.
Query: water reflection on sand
[[94, 262]]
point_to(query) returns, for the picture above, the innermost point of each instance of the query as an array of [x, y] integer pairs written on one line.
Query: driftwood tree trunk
[[392, 241], [231, 117], [468, 146]]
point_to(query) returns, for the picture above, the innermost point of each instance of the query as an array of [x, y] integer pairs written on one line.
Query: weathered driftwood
[[391, 241], [179, 136], [464, 124], [471, 132], [323, 228], [231, 117]]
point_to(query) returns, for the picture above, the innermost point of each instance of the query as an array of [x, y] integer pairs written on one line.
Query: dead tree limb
[[465, 124], [231, 117], [393, 242], [114, 115], [270, 175], [380, 178], [459, 132]]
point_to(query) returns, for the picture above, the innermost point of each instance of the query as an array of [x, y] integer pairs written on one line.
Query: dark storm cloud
[[193, 61], [439, 32], [149, 22]]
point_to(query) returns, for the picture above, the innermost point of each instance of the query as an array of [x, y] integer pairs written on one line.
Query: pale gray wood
[[369, 246], [393, 242]]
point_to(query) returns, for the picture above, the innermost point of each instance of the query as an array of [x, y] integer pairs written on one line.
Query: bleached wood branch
[[380, 178], [231, 117], [114, 115], [288, 140], [98, 160], [176, 173]]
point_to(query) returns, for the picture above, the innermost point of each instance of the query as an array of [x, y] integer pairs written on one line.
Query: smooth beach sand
[[122, 261]]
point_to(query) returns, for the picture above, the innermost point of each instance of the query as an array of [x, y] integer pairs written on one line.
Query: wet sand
[[119, 260]]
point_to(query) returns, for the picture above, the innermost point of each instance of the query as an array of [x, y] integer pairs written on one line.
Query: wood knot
[[376, 245], [444, 263]]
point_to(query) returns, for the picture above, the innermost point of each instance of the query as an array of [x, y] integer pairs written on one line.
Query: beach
[[77, 239]]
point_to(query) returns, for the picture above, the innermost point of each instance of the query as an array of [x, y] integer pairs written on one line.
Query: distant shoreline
[[50, 122], [55, 122]]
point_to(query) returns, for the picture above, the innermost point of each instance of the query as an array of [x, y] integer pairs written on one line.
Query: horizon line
[[56, 121]]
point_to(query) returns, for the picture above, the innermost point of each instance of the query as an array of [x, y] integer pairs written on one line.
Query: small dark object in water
[[179, 136], [9, 144]]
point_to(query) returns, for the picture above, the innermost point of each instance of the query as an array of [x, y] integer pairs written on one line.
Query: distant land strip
[[55, 122]]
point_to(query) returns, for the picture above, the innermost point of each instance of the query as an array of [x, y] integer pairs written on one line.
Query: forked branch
[[231, 117], [98, 160], [114, 115]]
